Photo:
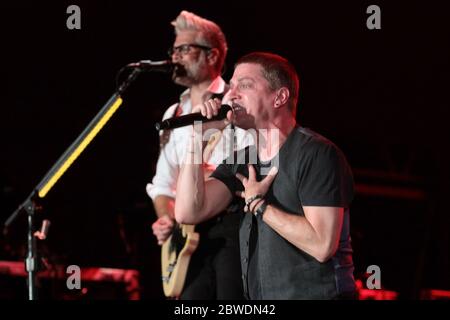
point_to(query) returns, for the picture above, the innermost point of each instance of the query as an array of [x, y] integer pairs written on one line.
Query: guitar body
[[176, 253]]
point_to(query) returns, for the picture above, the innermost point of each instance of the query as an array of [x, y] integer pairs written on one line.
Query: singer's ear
[[282, 97], [212, 56]]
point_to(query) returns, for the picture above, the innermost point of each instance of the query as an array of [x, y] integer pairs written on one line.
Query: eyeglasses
[[185, 48]]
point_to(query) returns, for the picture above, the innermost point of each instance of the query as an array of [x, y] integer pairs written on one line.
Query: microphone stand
[[30, 205]]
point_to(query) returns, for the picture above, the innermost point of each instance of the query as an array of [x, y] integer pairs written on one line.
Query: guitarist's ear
[[212, 56]]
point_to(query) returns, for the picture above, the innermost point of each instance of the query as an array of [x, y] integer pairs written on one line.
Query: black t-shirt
[[313, 163], [312, 171]]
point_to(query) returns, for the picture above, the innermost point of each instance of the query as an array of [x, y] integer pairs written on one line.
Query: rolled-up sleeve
[[167, 168], [165, 180]]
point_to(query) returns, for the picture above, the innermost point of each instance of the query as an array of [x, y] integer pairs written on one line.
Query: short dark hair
[[278, 71]]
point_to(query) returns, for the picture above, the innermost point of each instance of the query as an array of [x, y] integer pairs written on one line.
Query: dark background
[[381, 95]]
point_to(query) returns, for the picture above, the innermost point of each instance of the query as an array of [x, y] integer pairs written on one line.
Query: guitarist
[[198, 52]]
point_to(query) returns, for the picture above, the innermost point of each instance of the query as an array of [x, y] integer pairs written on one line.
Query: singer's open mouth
[[179, 70], [237, 108]]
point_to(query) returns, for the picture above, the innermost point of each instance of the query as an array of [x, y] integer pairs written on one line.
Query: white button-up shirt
[[172, 154]]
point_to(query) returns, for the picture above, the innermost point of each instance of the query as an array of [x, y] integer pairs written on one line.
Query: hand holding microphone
[[217, 115], [212, 112]]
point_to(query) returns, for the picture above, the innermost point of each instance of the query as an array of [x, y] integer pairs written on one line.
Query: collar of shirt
[[217, 86]]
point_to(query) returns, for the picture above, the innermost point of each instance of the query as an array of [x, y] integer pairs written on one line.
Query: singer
[[295, 233], [198, 55]]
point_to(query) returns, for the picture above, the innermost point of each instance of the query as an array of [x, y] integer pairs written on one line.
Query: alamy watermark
[[74, 279], [374, 280], [231, 142], [74, 20], [374, 20]]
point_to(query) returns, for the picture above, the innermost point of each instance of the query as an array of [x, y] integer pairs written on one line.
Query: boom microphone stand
[[30, 205]]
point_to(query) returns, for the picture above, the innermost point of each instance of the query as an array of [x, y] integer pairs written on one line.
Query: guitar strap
[[165, 135]]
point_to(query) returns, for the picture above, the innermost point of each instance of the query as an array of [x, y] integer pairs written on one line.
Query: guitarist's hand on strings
[[162, 228]]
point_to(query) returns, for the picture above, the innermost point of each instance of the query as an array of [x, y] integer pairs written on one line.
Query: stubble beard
[[186, 76]]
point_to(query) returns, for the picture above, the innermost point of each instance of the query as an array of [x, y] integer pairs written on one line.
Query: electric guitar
[[176, 253]]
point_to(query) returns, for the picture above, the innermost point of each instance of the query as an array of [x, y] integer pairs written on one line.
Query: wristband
[[261, 209], [249, 201]]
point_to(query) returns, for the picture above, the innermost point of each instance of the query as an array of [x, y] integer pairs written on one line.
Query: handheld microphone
[[189, 119], [148, 65]]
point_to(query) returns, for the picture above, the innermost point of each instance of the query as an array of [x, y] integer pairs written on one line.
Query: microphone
[[148, 65], [189, 119]]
